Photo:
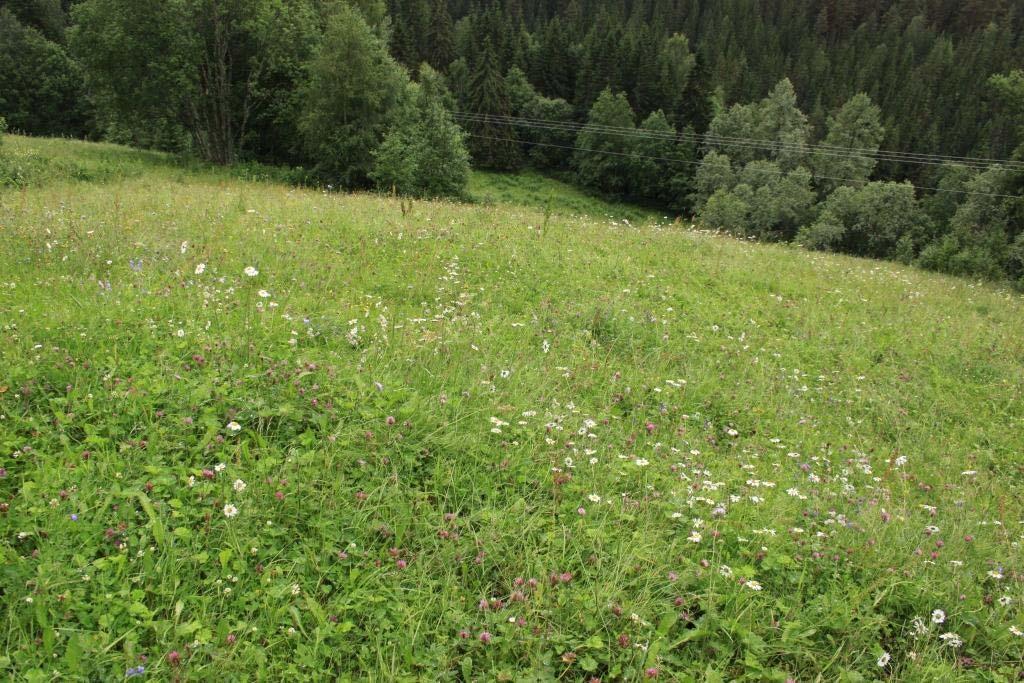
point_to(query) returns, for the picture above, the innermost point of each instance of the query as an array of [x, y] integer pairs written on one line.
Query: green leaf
[[154, 521]]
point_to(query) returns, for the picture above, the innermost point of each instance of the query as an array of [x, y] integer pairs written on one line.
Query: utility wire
[[763, 171], [767, 146], [708, 137], [748, 143], [978, 163]]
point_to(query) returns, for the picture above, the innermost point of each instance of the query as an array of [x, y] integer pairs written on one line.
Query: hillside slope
[[468, 443]]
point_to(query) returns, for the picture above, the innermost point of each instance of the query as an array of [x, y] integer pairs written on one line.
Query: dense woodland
[[864, 126]]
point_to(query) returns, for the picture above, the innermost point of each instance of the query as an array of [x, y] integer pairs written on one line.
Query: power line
[[978, 163], [748, 143], [763, 171], [712, 139], [766, 146]]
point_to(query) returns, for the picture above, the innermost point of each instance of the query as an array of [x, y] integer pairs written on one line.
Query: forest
[[881, 128]]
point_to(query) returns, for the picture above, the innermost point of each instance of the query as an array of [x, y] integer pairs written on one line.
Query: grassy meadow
[[255, 432]]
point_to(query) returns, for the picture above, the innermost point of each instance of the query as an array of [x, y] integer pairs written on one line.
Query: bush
[[824, 234], [725, 210], [883, 220], [782, 202], [980, 232], [424, 152]]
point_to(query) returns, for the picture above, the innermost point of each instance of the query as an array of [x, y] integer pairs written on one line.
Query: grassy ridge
[[454, 444]]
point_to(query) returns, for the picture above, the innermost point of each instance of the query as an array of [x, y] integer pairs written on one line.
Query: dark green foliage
[[714, 173], [441, 43], [756, 151], [352, 96], [784, 126], [189, 72], [40, 86], [272, 129], [776, 125], [140, 67], [547, 146], [878, 219], [854, 135], [554, 65], [493, 142], [603, 159], [676, 65], [727, 210], [423, 153], [1009, 90], [46, 16], [984, 233], [772, 203], [662, 165], [550, 148]]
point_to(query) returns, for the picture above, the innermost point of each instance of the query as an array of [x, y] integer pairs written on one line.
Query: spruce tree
[[492, 139], [675, 69], [441, 50], [694, 108]]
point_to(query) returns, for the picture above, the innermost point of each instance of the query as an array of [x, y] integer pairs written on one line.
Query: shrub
[[883, 220], [725, 210], [424, 152]]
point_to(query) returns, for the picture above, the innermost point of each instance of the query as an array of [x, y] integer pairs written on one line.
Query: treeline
[[299, 82], [768, 118]]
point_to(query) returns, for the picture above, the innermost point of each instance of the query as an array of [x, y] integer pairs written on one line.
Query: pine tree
[[441, 49], [492, 140]]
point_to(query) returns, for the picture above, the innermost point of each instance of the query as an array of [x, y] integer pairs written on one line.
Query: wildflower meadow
[[250, 431]]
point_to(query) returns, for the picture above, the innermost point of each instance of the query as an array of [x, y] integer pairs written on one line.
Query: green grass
[[433, 405], [531, 190], [35, 162]]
